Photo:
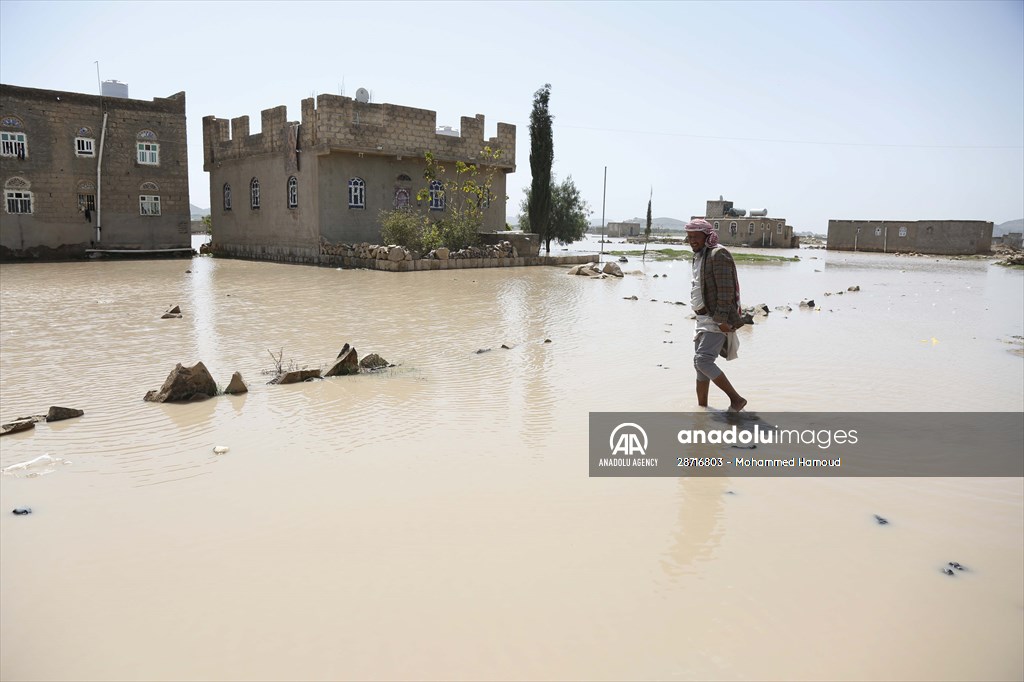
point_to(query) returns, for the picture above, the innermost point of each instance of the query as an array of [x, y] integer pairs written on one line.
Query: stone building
[[84, 172], [735, 228], [624, 229], [277, 193], [942, 237]]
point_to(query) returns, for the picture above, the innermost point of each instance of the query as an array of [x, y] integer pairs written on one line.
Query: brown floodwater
[[436, 520]]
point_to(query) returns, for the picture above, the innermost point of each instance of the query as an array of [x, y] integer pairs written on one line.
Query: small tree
[[542, 156], [647, 230], [464, 197], [569, 213]]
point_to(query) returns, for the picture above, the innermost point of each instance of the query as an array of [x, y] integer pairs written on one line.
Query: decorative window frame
[[903, 231], [85, 147], [878, 231], [226, 194], [147, 153], [780, 228], [733, 228], [436, 195], [86, 196], [716, 226], [293, 192], [357, 193], [11, 122], [403, 198], [18, 198], [149, 204], [13, 144], [750, 228], [254, 194], [149, 186]]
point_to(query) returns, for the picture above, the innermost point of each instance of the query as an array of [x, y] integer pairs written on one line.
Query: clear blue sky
[[813, 110]]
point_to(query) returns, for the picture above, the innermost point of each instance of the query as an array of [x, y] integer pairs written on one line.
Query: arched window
[[147, 149], [227, 197], [17, 195], [778, 228], [254, 194], [293, 192], [878, 232], [404, 178], [149, 187], [732, 228], [401, 197], [929, 229], [903, 231], [356, 193], [716, 226], [750, 228], [436, 196], [86, 198]]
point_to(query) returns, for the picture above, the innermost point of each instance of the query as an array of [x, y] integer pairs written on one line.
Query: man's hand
[[726, 327]]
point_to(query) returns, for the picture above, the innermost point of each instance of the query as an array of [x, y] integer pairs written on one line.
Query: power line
[[780, 141]]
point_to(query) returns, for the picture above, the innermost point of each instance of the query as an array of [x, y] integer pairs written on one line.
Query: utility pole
[[604, 195]]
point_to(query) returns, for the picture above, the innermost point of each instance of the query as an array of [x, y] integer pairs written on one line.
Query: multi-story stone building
[[83, 172], [942, 237], [735, 228], [277, 193]]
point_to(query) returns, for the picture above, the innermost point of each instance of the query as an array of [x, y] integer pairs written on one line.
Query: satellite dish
[[362, 95]]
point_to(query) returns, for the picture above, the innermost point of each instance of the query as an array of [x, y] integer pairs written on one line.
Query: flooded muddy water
[[436, 520]]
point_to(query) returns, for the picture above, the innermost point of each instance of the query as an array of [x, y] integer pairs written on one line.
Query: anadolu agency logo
[[628, 439]]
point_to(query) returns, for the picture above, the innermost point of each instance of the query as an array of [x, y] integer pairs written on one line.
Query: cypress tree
[[542, 156]]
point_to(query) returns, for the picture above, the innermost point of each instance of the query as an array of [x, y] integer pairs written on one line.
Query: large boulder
[[236, 385], [346, 363], [373, 361], [55, 414], [612, 269], [17, 425], [441, 253], [184, 384], [396, 254], [296, 376]]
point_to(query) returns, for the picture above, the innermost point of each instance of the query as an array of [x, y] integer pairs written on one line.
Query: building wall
[[750, 230], [757, 231], [51, 121], [943, 237], [338, 139]]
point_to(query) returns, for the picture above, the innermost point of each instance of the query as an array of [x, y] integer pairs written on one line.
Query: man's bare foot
[[738, 405]]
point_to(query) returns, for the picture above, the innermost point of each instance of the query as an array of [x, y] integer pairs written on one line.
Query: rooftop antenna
[[342, 86], [98, 83]]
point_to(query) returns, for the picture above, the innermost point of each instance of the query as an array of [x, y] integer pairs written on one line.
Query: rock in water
[[55, 414], [185, 383]]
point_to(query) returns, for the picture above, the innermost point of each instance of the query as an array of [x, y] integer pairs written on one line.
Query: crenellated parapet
[[333, 123]]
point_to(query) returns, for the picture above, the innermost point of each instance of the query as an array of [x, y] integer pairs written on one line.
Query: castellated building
[[735, 228], [278, 193], [89, 172]]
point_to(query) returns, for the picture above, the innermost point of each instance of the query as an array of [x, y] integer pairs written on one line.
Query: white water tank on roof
[[115, 89], [447, 130]]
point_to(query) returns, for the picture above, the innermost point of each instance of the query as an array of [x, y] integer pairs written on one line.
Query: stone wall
[[56, 175], [941, 237]]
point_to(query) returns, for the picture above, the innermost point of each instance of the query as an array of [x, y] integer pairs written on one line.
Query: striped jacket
[[720, 286]]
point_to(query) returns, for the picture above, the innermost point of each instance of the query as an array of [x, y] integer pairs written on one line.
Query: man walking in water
[[714, 295]]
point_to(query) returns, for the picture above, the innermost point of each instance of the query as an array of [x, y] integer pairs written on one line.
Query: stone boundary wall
[[423, 264], [304, 257]]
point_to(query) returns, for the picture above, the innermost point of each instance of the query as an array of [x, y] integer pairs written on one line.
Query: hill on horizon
[[1002, 229]]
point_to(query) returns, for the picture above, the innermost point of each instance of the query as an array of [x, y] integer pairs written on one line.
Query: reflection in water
[[435, 520], [700, 524]]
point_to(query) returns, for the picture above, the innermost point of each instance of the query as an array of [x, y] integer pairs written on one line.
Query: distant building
[[735, 228], [86, 171], [942, 237], [278, 193], [1013, 239], [624, 229]]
